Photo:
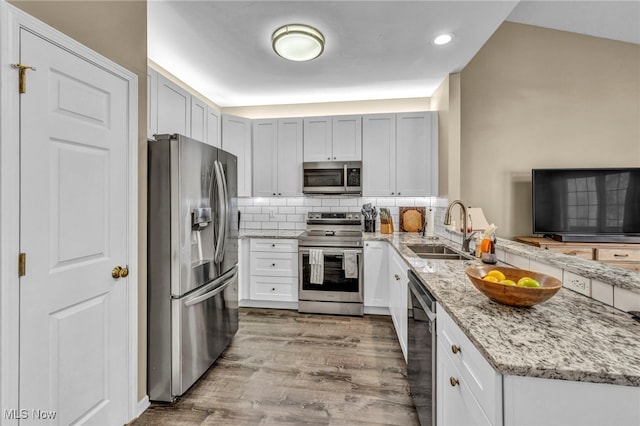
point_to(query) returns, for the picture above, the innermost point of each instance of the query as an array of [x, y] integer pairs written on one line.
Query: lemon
[[490, 278], [496, 273], [507, 282]]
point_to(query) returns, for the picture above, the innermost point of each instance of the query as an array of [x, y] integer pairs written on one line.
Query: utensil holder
[[369, 225]]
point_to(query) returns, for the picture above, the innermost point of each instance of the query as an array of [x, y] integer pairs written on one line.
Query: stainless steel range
[[330, 262]]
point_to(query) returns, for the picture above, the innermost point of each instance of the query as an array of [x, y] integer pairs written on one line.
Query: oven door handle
[[337, 252], [345, 177]]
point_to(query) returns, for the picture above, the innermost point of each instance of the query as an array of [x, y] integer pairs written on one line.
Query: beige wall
[[332, 108], [446, 100], [534, 97], [117, 30]]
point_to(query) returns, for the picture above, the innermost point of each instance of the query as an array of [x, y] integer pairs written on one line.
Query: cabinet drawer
[[274, 245], [480, 377], [283, 289], [582, 252], [274, 264], [617, 254]]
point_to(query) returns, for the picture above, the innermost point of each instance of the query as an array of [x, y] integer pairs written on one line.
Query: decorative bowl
[[513, 295]]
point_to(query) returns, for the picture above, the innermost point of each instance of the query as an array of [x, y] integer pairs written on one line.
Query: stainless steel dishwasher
[[421, 350]]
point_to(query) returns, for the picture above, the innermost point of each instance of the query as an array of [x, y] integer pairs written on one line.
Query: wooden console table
[[618, 254]]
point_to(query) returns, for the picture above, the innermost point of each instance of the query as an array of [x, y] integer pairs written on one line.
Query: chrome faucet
[[466, 239]]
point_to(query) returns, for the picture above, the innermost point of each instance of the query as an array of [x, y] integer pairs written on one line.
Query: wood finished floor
[[286, 368]]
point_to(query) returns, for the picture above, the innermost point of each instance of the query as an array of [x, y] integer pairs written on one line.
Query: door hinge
[[22, 264], [22, 76]]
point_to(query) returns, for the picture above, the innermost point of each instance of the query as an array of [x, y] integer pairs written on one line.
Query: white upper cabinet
[[290, 157], [213, 127], [236, 139], [198, 119], [317, 139], [400, 154], [379, 155], [277, 153], [417, 154], [336, 138], [265, 155], [152, 102], [347, 138], [174, 108]]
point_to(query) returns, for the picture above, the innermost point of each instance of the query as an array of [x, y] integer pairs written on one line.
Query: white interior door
[[73, 228]]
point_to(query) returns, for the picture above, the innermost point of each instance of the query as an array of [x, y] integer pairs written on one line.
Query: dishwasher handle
[[426, 300]]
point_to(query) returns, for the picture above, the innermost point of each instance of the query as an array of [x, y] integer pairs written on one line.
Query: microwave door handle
[[345, 177]]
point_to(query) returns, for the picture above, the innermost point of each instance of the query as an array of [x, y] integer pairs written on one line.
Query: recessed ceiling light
[[442, 39], [297, 42]]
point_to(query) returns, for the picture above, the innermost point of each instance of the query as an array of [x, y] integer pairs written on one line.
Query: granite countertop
[[568, 337]]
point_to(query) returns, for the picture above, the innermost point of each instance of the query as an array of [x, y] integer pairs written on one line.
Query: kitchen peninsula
[[579, 357]]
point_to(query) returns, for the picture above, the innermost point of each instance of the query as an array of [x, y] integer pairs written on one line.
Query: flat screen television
[[590, 205]]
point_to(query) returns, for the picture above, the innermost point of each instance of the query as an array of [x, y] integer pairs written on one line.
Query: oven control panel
[[334, 217]]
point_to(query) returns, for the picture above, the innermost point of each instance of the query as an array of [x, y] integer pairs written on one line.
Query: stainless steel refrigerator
[[192, 263]]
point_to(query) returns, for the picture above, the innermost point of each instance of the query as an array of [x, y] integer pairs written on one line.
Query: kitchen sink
[[436, 251]]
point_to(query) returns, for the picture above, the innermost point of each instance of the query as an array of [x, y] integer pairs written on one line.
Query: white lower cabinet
[[465, 378], [399, 297], [456, 404], [534, 401], [273, 266], [376, 275]]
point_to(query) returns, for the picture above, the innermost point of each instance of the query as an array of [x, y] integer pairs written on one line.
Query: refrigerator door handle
[[227, 279], [222, 217]]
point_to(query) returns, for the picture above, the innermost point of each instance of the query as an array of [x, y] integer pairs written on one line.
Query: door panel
[[73, 215]]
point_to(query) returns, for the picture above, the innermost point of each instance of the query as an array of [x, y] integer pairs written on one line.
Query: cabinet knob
[[455, 349], [397, 277], [274, 193], [273, 264], [454, 382], [328, 158], [392, 193], [399, 193], [273, 245], [279, 193], [273, 289], [334, 158]]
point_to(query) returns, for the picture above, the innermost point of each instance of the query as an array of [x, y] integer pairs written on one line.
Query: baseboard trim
[[375, 310], [245, 303], [143, 404]]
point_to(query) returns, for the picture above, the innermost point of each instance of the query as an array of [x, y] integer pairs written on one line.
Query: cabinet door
[[198, 119], [289, 162], [376, 284], [398, 294], [236, 139], [379, 155], [174, 108], [347, 138], [265, 151], [317, 139], [213, 127], [152, 102], [456, 404], [417, 154]]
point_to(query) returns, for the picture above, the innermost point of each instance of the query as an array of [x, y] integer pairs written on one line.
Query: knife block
[[387, 228]]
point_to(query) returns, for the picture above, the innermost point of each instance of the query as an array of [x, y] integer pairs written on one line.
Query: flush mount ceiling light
[[297, 42], [442, 39]]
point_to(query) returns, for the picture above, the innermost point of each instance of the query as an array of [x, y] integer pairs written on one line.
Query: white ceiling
[[374, 49]]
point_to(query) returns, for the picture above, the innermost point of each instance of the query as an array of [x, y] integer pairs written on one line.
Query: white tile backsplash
[[290, 212]]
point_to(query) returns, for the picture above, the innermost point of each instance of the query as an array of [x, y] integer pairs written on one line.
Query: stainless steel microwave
[[332, 177]]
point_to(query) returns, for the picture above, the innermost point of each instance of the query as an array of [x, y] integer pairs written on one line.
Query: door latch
[[22, 78]]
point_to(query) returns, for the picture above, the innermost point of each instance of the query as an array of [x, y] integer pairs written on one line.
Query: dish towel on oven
[[350, 263], [316, 263]]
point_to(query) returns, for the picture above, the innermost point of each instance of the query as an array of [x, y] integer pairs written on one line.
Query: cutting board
[[412, 218]]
